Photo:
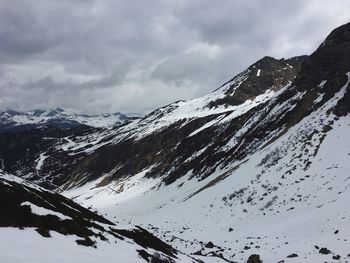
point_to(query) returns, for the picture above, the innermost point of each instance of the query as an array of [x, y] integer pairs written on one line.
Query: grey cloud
[[110, 55], [176, 69]]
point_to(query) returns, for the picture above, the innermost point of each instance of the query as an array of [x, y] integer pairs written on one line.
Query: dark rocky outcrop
[[254, 259], [267, 73], [325, 251]]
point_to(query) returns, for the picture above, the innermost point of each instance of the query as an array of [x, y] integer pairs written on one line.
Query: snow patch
[[41, 211], [40, 161]]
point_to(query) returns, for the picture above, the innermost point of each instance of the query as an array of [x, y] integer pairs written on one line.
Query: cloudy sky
[[98, 56]]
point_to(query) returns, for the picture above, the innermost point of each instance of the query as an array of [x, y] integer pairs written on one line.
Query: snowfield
[[32, 248]]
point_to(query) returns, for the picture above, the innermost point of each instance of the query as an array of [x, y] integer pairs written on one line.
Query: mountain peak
[[54, 111], [340, 35], [330, 61], [267, 73], [266, 59]]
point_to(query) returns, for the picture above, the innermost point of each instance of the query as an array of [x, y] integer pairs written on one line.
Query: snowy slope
[[46, 227], [65, 158]]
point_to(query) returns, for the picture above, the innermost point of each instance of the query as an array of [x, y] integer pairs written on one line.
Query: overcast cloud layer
[[98, 56]]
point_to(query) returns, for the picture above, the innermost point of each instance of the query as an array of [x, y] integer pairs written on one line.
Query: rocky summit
[[256, 171]]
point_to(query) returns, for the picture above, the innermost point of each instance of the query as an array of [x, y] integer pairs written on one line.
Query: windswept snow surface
[[27, 246], [31, 247]]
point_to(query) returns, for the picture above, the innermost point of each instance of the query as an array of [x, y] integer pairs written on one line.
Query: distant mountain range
[[12, 120]]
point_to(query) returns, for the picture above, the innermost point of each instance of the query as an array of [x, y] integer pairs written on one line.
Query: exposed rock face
[[20, 152], [267, 73]]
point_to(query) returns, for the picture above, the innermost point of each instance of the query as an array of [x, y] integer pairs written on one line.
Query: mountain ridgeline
[[16, 121], [140, 154]]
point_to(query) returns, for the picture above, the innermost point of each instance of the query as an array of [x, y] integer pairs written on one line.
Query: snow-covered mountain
[[257, 167], [147, 142], [11, 120]]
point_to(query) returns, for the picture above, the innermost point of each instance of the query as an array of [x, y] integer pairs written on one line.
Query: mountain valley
[[256, 171]]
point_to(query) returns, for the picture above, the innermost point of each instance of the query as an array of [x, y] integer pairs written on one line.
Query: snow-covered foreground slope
[[37, 225], [34, 248]]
